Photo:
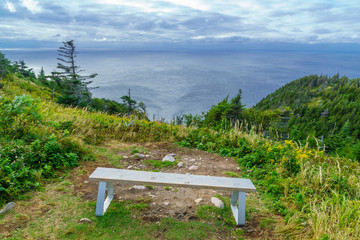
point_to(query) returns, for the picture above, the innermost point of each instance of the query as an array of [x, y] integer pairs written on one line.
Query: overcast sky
[[146, 21]]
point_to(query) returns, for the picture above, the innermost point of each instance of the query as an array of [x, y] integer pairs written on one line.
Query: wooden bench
[[107, 176]]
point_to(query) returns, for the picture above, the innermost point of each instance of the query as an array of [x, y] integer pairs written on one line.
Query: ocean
[[179, 81]]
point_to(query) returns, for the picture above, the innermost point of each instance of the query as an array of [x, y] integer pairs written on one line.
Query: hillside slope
[[320, 106]]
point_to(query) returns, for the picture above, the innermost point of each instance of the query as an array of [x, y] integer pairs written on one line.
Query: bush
[[23, 166]]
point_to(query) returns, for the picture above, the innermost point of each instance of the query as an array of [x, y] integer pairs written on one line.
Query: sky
[[28, 23]]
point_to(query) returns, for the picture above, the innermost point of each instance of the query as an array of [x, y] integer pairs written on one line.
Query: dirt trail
[[171, 202]]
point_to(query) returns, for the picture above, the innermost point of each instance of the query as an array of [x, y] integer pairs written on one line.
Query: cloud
[[182, 20], [11, 7], [31, 5]]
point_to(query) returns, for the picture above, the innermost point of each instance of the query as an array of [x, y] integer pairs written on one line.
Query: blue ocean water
[[172, 82]]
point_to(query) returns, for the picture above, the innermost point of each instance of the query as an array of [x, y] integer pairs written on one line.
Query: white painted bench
[[107, 176]]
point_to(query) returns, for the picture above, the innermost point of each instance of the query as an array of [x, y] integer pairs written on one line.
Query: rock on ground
[[85, 220], [193, 168], [217, 202], [137, 187], [8, 207], [169, 158]]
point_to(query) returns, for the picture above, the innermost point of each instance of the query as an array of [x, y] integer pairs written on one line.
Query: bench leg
[[238, 209], [101, 203]]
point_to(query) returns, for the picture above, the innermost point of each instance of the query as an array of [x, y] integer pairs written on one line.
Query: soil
[[163, 201]]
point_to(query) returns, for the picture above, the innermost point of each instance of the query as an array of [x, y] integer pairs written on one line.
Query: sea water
[[173, 82]]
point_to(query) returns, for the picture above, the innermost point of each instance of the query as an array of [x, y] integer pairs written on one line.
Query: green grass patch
[[232, 174], [160, 164]]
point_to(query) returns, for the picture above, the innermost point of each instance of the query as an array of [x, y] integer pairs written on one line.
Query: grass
[[158, 164], [58, 215]]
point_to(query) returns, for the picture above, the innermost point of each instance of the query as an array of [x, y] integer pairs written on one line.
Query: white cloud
[[183, 20], [31, 5], [11, 7]]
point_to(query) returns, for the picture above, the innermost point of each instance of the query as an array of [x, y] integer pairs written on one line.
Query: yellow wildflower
[[289, 142]]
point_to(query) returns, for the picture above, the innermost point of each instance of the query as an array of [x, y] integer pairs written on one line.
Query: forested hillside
[[327, 108]]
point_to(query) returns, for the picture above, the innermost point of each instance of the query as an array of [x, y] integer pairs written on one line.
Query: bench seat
[[107, 176]]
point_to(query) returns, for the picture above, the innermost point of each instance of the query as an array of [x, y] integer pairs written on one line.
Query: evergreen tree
[[235, 108], [129, 103], [4, 63], [74, 86], [20, 66], [42, 77]]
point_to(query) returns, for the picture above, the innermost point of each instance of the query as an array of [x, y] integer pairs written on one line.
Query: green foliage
[[160, 164], [17, 116], [224, 113], [319, 106], [24, 165], [74, 87], [28, 154], [4, 66], [193, 120]]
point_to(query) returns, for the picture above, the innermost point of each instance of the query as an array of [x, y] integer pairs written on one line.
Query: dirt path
[[178, 203]]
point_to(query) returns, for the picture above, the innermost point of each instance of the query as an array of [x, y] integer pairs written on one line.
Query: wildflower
[[289, 142], [301, 156]]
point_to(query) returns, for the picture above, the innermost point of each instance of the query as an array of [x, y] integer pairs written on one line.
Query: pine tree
[[4, 63], [129, 103], [74, 86], [42, 77]]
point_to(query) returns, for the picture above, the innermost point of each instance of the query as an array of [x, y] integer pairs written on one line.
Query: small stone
[[172, 154], [169, 158], [193, 168], [166, 203], [197, 201], [141, 155], [217, 202], [86, 181], [138, 187], [237, 168], [129, 167], [85, 220], [8, 207], [192, 160], [180, 164], [249, 171], [125, 157]]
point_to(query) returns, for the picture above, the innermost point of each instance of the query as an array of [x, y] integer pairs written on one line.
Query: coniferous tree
[[235, 108], [129, 103], [42, 77], [74, 86], [4, 63]]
